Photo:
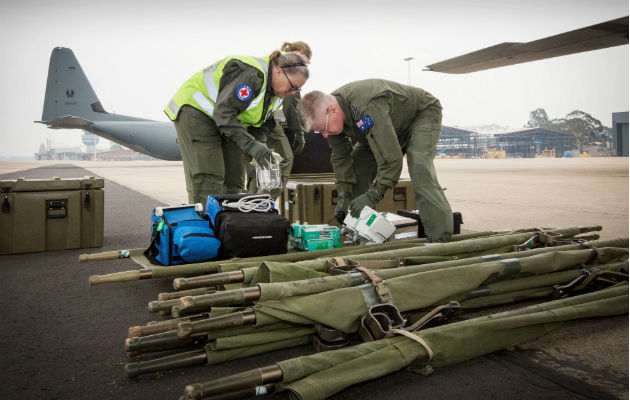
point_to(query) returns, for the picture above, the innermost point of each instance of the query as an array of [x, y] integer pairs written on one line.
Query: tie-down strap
[[382, 291], [417, 339], [344, 265], [597, 250]]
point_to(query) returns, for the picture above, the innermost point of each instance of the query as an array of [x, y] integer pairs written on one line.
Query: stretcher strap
[[340, 261], [415, 338], [381, 290], [597, 250]]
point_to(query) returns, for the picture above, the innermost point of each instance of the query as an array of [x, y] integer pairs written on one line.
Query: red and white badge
[[244, 92]]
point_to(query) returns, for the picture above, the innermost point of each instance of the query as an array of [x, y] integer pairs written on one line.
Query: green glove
[[298, 142], [342, 206], [369, 198], [261, 153]]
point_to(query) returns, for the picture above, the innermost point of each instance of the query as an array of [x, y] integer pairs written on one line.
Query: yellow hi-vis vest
[[202, 89]]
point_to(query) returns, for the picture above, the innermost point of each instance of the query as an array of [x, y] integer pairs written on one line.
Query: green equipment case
[[312, 199], [50, 214], [314, 237]]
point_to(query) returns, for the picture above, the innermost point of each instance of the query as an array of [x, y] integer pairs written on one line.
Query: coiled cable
[[255, 203]]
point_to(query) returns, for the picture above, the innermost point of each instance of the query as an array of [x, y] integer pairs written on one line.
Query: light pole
[[408, 59]]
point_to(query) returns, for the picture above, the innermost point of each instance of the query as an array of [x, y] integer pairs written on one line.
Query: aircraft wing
[[594, 37]]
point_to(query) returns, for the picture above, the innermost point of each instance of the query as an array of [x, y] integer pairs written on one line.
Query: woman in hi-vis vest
[[223, 113]]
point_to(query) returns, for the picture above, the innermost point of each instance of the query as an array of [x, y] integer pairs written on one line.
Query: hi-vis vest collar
[[211, 78]]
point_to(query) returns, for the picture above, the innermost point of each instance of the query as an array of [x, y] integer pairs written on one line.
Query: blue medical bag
[[181, 234]]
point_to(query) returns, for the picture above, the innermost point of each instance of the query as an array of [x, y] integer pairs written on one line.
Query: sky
[[137, 53]]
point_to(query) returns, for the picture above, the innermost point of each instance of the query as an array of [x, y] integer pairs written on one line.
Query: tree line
[[586, 128]]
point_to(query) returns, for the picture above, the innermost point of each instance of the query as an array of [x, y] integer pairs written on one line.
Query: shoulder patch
[[365, 123], [244, 92]]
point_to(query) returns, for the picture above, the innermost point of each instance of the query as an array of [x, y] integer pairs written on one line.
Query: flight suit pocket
[[386, 148], [429, 130]]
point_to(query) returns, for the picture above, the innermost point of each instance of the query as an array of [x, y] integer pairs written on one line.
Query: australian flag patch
[[365, 123]]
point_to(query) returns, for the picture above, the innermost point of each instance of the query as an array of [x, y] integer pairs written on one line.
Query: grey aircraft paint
[[71, 103], [600, 36]]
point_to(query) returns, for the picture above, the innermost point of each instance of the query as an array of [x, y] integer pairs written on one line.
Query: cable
[[255, 203]]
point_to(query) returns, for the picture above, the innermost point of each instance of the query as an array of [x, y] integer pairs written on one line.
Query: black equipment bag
[[251, 234]]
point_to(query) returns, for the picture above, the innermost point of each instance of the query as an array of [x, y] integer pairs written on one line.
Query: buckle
[[544, 238], [590, 280], [6, 206], [384, 295], [379, 321], [340, 265]]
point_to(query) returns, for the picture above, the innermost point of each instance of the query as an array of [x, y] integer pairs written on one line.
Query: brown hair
[[297, 46], [292, 62]]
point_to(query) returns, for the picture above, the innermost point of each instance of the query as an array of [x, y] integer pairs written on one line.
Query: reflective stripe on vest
[[273, 109], [173, 107], [201, 91], [213, 91], [208, 78], [203, 102]]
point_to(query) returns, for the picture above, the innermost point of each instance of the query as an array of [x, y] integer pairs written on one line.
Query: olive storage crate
[[50, 214], [313, 199]]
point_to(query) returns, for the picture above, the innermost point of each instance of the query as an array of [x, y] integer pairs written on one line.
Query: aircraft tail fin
[[68, 91]]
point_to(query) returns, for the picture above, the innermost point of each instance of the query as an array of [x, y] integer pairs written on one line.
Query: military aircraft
[[71, 103], [594, 37]]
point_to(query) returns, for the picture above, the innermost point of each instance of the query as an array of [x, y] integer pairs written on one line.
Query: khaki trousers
[[212, 163]]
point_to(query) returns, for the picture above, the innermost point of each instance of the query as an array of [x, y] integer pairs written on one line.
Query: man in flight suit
[[385, 120]]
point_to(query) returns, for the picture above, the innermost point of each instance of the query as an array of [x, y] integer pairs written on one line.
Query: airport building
[[62, 153], [459, 143], [620, 133], [77, 154], [524, 143], [532, 142]]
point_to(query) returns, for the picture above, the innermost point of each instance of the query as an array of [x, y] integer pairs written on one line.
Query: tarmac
[[62, 339]]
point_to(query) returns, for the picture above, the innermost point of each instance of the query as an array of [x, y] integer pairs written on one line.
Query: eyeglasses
[[293, 87], [326, 128]]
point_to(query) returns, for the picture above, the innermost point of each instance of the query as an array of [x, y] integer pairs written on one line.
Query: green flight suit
[[396, 120], [279, 142], [212, 148]]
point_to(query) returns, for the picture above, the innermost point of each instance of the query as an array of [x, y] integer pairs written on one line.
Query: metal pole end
[[154, 306], [186, 302], [132, 344], [135, 331], [184, 329], [132, 370], [179, 283], [193, 391]]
